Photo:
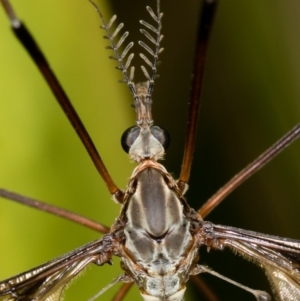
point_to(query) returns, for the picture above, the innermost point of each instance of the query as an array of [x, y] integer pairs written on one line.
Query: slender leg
[[249, 170], [71, 216], [38, 57], [122, 292], [207, 14], [204, 288]]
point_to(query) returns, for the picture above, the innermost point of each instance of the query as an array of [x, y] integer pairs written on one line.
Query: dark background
[[250, 99]]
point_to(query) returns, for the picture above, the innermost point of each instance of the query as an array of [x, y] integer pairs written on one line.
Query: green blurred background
[[250, 99]]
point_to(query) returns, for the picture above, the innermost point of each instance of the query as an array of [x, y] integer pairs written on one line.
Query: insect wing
[[46, 287], [279, 257], [48, 281], [282, 269]]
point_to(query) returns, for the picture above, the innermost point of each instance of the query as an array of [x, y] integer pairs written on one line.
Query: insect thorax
[[159, 250]]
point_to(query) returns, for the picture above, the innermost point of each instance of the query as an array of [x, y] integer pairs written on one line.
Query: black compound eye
[[132, 133], [162, 135], [128, 137]]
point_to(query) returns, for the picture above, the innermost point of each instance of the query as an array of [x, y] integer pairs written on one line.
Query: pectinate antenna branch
[[207, 14], [128, 79], [154, 53]]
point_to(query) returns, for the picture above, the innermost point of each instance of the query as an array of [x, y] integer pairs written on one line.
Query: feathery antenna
[[120, 57]]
